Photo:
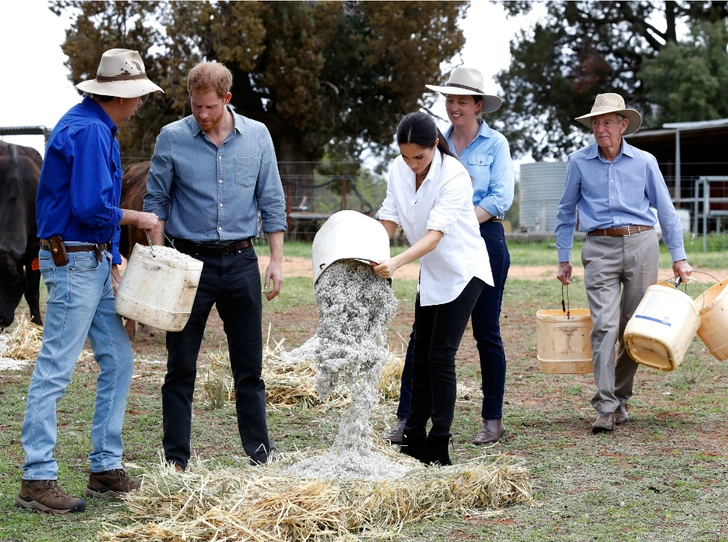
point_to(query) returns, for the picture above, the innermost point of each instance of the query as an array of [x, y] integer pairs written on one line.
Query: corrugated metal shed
[[540, 189]]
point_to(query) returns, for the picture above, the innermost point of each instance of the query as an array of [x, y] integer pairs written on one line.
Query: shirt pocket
[[246, 171], [478, 165]]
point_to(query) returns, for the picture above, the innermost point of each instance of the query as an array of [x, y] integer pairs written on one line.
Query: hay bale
[[262, 504], [290, 380], [25, 340]]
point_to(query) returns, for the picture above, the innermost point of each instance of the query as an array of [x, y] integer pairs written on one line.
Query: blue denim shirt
[[488, 160], [608, 194], [208, 194], [80, 182]]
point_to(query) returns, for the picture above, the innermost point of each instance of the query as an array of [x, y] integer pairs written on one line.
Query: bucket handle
[[702, 290], [151, 245], [565, 306], [678, 281]]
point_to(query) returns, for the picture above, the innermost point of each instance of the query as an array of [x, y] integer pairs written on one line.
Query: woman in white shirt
[[430, 196]]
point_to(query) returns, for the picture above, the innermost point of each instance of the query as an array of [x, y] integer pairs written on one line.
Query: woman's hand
[[385, 269]]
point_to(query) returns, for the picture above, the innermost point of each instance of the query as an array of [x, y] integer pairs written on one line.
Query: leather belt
[[495, 219], [99, 247], [620, 231], [189, 247]]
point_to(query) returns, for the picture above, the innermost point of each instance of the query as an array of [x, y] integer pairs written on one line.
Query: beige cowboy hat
[[468, 82], [120, 74], [612, 103]]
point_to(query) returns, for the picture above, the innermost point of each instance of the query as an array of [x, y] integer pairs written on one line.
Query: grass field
[[663, 476]]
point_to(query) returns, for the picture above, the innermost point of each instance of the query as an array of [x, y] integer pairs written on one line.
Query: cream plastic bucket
[[662, 328], [564, 345], [158, 287], [348, 235], [713, 330]]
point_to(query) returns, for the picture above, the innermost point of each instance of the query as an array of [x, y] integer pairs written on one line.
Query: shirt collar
[[484, 130], [93, 105], [625, 149], [196, 130]]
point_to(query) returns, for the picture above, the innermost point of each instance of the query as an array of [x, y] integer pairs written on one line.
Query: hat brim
[[490, 103], [119, 89], [635, 119]]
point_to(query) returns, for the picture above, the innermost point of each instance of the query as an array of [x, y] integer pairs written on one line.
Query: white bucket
[[348, 235], [713, 330], [158, 287], [662, 328], [564, 345]]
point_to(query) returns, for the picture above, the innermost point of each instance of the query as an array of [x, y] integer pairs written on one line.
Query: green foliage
[[688, 80], [320, 75], [575, 51]]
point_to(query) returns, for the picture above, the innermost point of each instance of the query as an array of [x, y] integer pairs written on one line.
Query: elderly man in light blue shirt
[[610, 187], [211, 173]]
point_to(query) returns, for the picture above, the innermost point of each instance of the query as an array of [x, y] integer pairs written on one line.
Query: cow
[[19, 270], [133, 188]]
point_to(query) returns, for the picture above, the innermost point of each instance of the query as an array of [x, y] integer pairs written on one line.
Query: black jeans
[[438, 332], [232, 283], [486, 331]]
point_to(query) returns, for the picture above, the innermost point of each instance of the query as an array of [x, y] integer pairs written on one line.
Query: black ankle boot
[[415, 446], [437, 447]]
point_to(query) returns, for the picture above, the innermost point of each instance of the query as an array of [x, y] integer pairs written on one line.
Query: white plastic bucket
[[662, 328], [713, 330], [564, 345], [158, 287], [348, 235]]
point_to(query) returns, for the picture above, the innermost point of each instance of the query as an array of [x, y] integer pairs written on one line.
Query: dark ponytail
[[419, 128]]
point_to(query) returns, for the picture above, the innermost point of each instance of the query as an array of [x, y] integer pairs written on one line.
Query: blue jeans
[[486, 331], [80, 304]]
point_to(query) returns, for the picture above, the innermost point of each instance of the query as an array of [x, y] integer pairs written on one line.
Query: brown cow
[[19, 271], [133, 188]]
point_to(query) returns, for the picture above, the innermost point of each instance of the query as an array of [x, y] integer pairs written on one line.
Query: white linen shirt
[[444, 202]]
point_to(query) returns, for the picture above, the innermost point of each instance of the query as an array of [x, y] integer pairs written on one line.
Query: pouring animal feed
[[354, 307]]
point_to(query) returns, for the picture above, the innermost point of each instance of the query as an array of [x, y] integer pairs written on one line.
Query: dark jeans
[[486, 331], [439, 330], [232, 283]]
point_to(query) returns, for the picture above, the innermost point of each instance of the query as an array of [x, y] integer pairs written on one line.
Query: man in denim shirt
[[211, 173], [78, 222], [611, 185]]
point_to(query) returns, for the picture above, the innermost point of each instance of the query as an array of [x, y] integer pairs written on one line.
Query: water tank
[[540, 188]]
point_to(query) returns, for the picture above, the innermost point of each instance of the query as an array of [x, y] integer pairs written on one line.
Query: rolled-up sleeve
[[160, 178], [456, 195]]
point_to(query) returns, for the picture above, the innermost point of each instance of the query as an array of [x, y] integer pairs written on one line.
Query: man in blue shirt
[[611, 185], [78, 218], [211, 173]]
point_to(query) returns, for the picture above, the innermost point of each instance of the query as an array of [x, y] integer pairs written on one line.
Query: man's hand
[[273, 273], [564, 273], [682, 269], [115, 278]]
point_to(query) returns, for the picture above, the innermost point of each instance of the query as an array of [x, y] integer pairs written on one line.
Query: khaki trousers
[[617, 272]]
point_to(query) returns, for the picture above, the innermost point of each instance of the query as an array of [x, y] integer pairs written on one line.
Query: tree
[[320, 75], [688, 81], [577, 50]]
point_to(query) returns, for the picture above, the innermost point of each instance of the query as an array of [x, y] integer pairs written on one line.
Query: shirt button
[[220, 181], [221, 205], [219, 157], [219, 228]]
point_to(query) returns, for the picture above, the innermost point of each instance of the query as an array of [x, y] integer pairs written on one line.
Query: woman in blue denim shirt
[[486, 156]]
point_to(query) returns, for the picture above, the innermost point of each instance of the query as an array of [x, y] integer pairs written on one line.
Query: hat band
[[105, 79], [464, 87]]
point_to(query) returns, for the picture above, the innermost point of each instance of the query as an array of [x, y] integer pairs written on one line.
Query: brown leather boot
[[46, 496], [110, 484], [491, 432], [396, 434]]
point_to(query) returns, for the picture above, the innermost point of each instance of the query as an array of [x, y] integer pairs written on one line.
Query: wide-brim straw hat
[[612, 103], [468, 82], [120, 74]]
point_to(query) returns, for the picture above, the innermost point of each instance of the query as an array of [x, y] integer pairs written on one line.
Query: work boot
[[46, 496], [110, 484], [604, 422], [621, 415], [437, 447], [396, 434]]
